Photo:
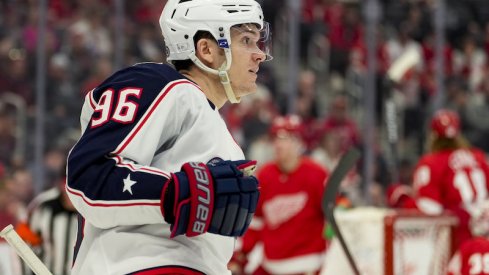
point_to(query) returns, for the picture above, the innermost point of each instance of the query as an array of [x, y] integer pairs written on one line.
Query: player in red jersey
[[289, 221], [452, 176], [473, 255]]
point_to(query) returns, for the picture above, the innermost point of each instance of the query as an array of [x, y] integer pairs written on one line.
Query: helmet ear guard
[[181, 20]]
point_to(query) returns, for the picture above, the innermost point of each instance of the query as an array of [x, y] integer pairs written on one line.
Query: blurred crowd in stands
[[81, 42]]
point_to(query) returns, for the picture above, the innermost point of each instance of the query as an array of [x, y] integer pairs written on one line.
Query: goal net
[[391, 242]]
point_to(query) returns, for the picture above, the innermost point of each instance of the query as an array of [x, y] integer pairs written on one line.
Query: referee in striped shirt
[[51, 228]]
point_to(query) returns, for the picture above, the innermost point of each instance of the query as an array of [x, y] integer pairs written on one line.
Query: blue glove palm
[[218, 198]]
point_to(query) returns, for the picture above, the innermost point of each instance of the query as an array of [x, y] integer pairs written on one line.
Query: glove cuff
[[201, 188], [396, 193], [168, 201]]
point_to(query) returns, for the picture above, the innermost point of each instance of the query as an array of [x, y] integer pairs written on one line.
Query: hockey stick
[[402, 64], [23, 250], [392, 137], [397, 70], [346, 162]]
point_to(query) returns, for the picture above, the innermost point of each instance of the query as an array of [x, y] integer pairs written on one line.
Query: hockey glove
[[216, 198], [400, 196]]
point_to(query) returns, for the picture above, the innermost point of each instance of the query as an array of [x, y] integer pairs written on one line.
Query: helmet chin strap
[[222, 72]]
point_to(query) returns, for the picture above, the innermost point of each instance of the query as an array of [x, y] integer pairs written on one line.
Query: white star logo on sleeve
[[128, 183]]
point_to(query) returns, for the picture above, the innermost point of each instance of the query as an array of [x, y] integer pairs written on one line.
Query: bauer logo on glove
[[218, 198]]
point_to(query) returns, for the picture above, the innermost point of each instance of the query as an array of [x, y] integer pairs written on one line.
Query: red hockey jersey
[[289, 220], [472, 258], [452, 180]]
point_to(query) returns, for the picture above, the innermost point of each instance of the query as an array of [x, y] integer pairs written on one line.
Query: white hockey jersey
[[139, 125]]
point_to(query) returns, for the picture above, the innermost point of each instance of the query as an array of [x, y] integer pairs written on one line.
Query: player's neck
[[289, 165], [210, 85]]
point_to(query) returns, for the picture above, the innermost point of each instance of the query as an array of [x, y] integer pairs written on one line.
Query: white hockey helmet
[[182, 19]]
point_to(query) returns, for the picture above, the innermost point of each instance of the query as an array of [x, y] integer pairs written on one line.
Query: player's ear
[[208, 52]]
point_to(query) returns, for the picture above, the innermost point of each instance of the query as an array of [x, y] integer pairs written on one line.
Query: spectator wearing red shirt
[[339, 121]]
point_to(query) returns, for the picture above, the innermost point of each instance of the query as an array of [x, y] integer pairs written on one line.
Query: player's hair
[[436, 143], [187, 63]]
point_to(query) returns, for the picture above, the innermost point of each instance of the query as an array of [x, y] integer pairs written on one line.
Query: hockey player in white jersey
[[159, 182]]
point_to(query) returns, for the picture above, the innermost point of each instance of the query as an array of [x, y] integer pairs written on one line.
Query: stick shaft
[[392, 137], [24, 251], [329, 199], [343, 244]]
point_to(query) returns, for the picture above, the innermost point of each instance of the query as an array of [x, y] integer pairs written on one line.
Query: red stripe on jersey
[[111, 204], [148, 114], [119, 162], [168, 270]]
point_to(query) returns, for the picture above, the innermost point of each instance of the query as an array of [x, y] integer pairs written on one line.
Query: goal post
[[419, 243], [392, 242]]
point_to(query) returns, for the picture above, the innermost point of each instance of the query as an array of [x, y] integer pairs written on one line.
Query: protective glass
[[250, 38]]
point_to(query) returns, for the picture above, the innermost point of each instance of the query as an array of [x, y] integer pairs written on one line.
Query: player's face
[[287, 147], [247, 57]]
